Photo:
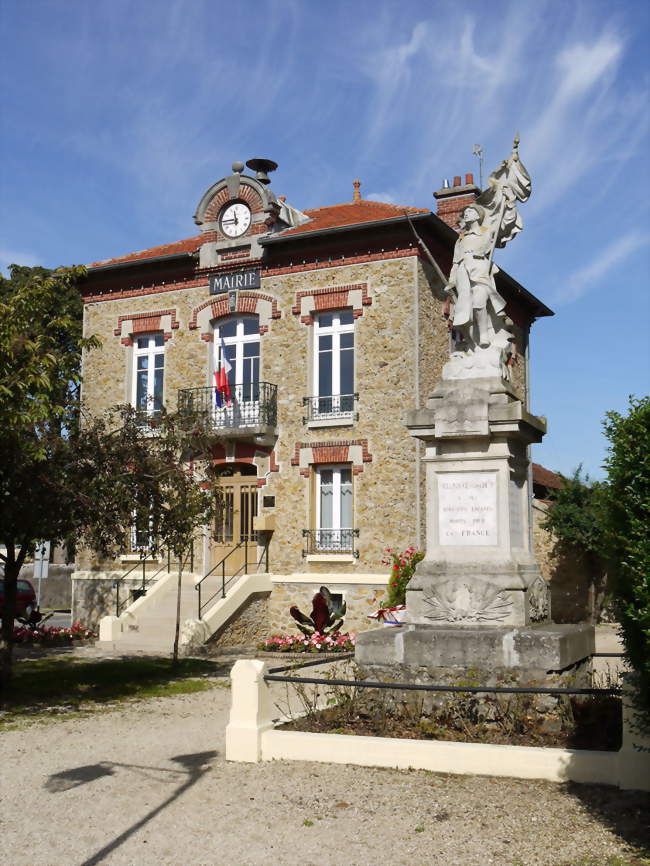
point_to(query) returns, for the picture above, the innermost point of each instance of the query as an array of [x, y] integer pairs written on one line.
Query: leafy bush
[[628, 538], [403, 569]]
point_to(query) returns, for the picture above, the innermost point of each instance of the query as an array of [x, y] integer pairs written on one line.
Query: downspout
[[418, 502]]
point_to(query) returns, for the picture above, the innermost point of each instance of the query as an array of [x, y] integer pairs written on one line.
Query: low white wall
[[250, 736]]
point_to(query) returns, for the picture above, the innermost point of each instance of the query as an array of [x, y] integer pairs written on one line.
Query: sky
[[119, 114]]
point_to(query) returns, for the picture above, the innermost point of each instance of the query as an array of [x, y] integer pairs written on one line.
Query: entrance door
[[234, 520]]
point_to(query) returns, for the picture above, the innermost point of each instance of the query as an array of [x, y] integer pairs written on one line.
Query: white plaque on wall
[[467, 508]]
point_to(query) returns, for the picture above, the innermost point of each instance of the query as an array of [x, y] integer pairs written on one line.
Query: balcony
[[329, 541], [334, 410], [252, 414]]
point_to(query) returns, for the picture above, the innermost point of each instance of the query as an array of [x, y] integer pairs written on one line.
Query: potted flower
[[403, 565]]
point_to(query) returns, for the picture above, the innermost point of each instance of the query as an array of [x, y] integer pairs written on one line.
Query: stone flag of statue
[[478, 309]]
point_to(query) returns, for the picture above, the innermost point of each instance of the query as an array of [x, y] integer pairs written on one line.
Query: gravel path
[[147, 783]]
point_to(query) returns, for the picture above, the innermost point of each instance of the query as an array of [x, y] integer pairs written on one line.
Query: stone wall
[[247, 627], [565, 570], [93, 598], [55, 589], [361, 599], [386, 484]]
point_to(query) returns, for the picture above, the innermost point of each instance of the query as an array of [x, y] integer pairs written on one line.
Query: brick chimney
[[453, 199], [356, 195]]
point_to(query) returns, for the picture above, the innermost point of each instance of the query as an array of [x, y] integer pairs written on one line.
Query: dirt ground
[[147, 783]]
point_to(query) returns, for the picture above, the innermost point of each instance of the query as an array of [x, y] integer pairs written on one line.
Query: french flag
[[221, 383]]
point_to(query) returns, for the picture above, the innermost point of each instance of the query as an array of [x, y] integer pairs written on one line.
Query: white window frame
[[336, 469], [152, 351], [335, 330], [238, 341], [150, 539]]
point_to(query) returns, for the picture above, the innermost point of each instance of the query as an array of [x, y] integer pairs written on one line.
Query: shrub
[[628, 538], [403, 568]]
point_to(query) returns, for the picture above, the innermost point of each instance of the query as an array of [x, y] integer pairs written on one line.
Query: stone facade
[[401, 344], [567, 572]]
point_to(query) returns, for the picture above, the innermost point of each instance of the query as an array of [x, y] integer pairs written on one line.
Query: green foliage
[[628, 537], [403, 567], [578, 521], [67, 477], [578, 513], [40, 354]]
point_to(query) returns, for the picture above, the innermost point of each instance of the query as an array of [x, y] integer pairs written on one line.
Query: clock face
[[235, 220]]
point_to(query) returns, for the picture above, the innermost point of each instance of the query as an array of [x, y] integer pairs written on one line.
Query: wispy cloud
[[581, 281]]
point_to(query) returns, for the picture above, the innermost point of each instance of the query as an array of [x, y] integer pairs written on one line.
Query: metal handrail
[[147, 579], [117, 583], [426, 687], [226, 583]]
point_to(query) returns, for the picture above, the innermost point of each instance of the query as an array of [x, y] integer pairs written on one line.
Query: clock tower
[[239, 209]]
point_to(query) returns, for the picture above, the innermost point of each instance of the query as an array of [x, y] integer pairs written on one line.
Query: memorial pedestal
[[478, 599]]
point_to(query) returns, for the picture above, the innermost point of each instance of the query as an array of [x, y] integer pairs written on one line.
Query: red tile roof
[[349, 214], [346, 214], [188, 245], [546, 478]]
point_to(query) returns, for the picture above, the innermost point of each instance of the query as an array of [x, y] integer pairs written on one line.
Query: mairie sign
[[249, 279]]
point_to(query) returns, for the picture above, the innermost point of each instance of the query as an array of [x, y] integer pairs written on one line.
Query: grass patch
[[60, 684]]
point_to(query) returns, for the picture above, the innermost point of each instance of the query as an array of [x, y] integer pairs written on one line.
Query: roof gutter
[[132, 262]]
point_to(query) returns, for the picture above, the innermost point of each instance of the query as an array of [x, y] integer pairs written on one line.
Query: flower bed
[[317, 643], [52, 634]]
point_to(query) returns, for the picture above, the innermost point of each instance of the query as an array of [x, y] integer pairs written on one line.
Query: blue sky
[[118, 115]]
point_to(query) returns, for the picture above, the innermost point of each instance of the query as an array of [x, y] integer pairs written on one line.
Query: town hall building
[[332, 323]]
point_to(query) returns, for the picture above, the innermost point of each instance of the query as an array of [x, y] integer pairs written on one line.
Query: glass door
[[334, 508], [237, 343]]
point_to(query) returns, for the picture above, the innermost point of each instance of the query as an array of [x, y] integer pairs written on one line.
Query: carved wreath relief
[[467, 603], [538, 600]]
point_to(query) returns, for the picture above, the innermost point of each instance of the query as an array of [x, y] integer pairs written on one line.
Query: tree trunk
[[178, 611], [13, 565]]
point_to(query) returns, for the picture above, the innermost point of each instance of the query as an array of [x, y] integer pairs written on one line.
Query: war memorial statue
[[478, 599]]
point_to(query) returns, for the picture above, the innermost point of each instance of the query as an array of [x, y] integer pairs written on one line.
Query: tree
[[577, 519], [64, 476], [628, 538]]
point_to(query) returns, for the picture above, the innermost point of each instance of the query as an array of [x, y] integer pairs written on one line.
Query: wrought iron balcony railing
[[330, 541], [253, 404], [333, 406]]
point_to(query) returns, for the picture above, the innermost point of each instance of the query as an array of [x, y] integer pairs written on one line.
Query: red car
[[26, 605]]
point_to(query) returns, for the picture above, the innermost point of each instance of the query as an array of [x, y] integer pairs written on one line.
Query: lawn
[[59, 685]]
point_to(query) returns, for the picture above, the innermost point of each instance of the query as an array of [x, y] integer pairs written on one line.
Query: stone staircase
[[147, 625]]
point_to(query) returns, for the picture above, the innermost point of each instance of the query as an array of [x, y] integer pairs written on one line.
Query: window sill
[[330, 557], [331, 422]]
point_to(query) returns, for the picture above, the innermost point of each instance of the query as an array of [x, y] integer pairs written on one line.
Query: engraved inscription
[[467, 508]]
